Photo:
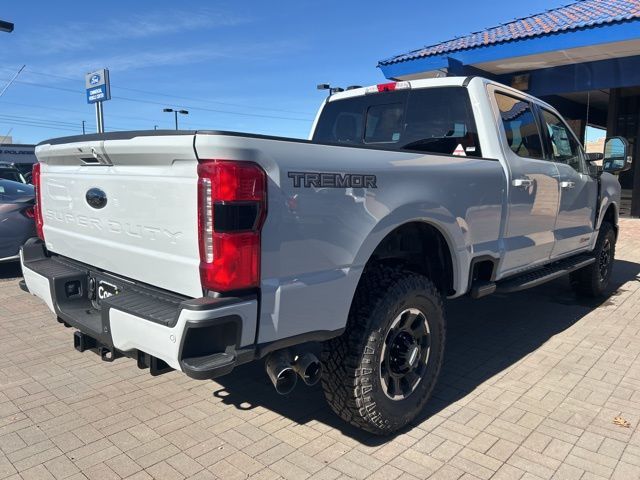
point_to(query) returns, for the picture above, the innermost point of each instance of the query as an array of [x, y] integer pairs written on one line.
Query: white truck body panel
[[148, 231]]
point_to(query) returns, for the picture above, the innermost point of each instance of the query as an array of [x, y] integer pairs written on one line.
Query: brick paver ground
[[531, 385]]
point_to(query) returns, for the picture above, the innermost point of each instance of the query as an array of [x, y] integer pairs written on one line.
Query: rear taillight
[[232, 206], [29, 212], [37, 209]]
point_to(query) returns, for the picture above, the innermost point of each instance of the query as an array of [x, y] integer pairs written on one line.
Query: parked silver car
[[16, 218]]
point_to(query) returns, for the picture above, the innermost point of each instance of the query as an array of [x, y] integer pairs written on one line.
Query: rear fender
[[438, 217]]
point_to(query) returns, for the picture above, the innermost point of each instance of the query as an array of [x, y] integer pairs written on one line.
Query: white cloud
[[81, 36], [138, 59]]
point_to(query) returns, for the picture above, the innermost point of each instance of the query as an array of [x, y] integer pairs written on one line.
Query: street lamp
[[332, 90], [6, 26], [175, 112]]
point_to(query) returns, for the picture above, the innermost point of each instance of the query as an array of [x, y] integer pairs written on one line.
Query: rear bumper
[[203, 337]]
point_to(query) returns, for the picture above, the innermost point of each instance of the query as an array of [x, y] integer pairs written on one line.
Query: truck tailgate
[[148, 228]]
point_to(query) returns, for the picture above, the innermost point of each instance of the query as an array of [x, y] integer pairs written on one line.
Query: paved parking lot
[[530, 389]]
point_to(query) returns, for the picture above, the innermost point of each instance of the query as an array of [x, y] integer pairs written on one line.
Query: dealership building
[[17, 153], [583, 58]]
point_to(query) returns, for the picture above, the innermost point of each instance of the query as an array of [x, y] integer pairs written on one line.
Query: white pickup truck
[[202, 250]]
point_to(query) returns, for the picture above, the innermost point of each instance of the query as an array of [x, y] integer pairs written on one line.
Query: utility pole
[[83, 127]]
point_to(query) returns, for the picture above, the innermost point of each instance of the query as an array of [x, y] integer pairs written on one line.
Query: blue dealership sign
[[97, 86]]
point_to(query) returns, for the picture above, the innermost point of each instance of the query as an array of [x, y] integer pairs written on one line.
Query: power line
[[39, 120], [45, 121], [138, 100], [159, 94], [13, 79], [27, 124], [78, 112], [191, 107]]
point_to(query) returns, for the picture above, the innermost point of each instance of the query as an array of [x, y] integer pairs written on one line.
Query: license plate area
[[106, 290], [101, 288]]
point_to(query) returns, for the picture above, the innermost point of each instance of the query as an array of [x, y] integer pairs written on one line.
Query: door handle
[[522, 182], [566, 184]]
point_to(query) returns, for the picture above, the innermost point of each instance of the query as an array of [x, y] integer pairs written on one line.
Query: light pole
[[175, 112], [6, 26], [332, 90]]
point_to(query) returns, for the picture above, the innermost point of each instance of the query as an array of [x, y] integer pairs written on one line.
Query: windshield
[[436, 120], [10, 174]]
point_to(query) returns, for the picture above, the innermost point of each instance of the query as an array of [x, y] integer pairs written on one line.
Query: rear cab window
[[430, 120]]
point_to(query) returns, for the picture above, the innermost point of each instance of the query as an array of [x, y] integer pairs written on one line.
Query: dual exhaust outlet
[[283, 369]]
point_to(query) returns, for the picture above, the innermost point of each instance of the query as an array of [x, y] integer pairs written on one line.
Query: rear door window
[[520, 126]]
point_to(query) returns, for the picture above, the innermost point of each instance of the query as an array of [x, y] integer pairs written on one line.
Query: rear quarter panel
[[316, 241]]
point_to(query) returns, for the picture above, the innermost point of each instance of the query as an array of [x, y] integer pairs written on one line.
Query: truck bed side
[[317, 239]]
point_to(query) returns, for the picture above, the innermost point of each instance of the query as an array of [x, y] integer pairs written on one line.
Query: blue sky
[[248, 66]]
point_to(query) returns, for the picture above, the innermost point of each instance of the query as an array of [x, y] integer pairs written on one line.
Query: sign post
[[98, 90]]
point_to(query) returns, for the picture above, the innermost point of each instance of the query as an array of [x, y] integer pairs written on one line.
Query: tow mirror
[[616, 155], [594, 157]]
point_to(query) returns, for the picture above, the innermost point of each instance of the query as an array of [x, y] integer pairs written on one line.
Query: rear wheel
[[593, 280], [380, 373]]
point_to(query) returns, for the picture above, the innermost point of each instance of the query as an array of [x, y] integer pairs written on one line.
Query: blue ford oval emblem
[[94, 80], [96, 198]]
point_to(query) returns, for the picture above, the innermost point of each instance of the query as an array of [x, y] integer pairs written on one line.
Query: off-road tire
[[351, 377], [588, 281]]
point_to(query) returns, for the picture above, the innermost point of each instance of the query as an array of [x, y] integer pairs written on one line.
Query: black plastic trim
[[210, 303], [482, 286], [264, 349], [222, 359], [126, 135], [194, 367], [235, 216], [543, 274]]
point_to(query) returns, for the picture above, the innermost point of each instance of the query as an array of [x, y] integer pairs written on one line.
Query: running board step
[[209, 366], [544, 274]]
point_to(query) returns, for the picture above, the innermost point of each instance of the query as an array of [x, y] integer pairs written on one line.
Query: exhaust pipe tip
[[309, 368], [280, 372]]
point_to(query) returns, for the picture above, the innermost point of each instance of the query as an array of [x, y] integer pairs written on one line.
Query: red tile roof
[[575, 16]]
